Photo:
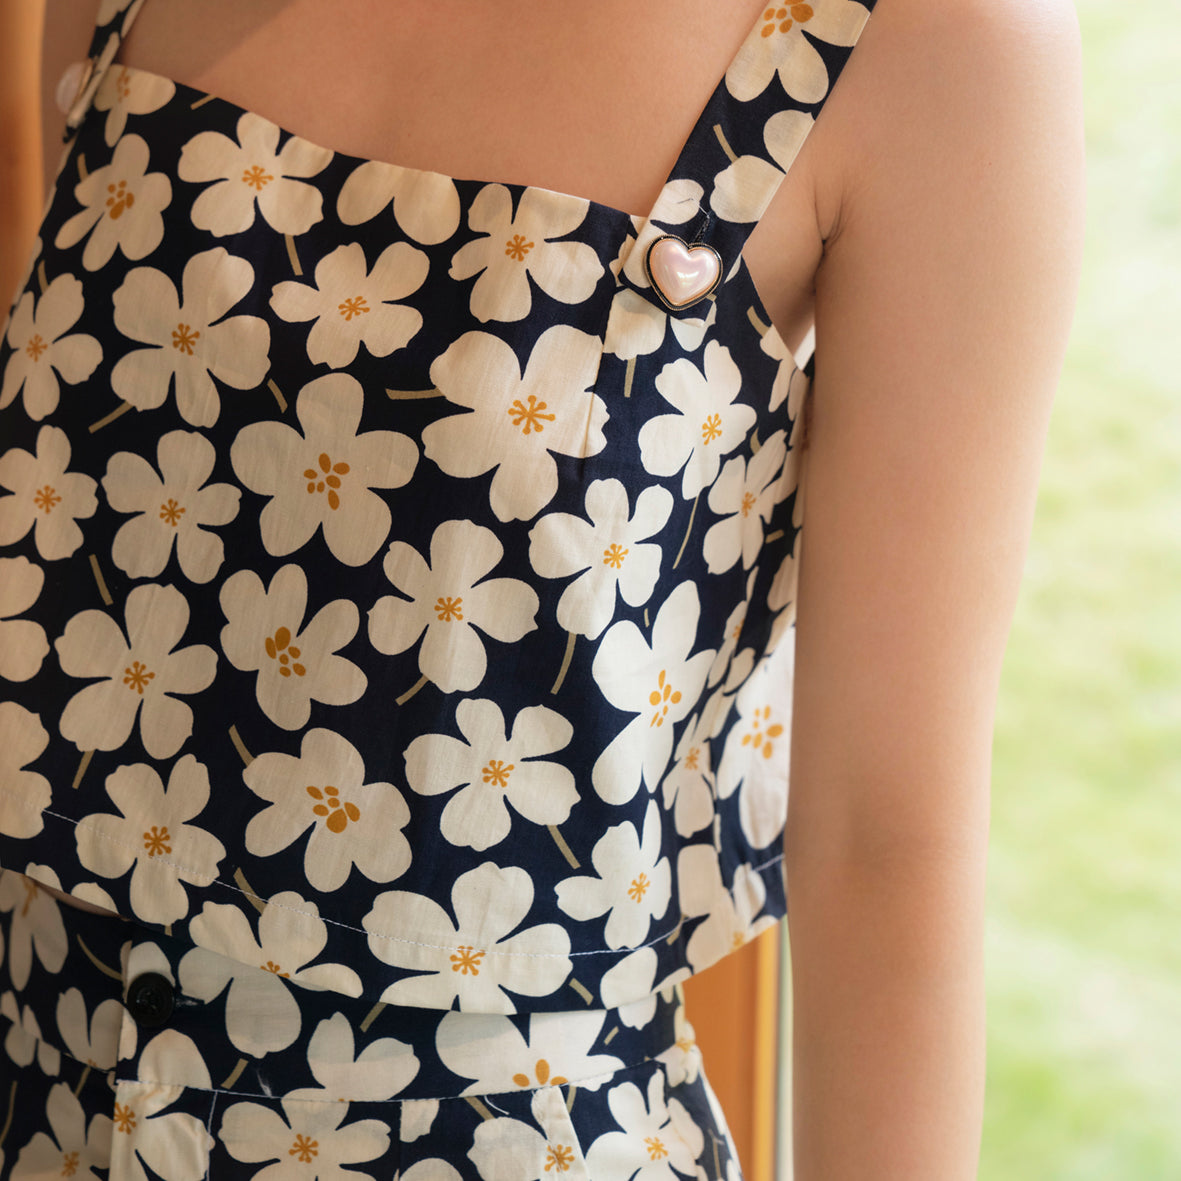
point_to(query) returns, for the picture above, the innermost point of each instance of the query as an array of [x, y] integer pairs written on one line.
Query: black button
[[150, 999]]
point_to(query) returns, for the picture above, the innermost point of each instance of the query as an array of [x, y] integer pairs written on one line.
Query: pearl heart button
[[681, 274]]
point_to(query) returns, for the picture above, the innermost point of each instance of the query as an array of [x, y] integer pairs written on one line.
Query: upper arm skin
[[954, 210], [69, 25]]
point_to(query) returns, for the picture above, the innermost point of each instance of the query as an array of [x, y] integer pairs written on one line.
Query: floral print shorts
[[132, 1055]]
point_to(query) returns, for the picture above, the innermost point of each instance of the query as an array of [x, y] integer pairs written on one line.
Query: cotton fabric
[[393, 589]]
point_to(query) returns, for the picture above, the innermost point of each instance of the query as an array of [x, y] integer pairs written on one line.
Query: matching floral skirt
[[131, 1056]]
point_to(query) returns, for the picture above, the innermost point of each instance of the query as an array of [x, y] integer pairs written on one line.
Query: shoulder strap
[[104, 44], [752, 128]]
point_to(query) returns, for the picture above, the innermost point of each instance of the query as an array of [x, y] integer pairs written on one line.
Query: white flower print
[[555, 1051], [191, 342], [352, 305], [474, 959], [608, 551], [782, 596], [140, 674], [731, 634], [174, 1145], [791, 383], [630, 985], [418, 1116], [352, 822], [743, 190], [758, 747], [46, 497], [176, 506], [323, 479], [296, 665], [778, 46], [261, 1014], [433, 1168], [688, 787], [382, 1069], [36, 926], [23, 1041], [42, 352], [24, 793], [305, 1141], [682, 1060], [744, 496], [517, 423], [707, 424], [732, 916], [506, 1149], [23, 645], [253, 171], [637, 326], [659, 684], [152, 839], [518, 247], [90, 1037], [122, 205], [129, 92], [449, 599], [494, 771], [425, 204], [71, 1143], [651, 1145], [633, 885]]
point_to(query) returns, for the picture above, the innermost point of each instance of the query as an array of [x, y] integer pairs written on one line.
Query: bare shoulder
[[936, 88]]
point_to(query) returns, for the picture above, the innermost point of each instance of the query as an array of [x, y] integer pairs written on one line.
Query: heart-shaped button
[[682, 274]]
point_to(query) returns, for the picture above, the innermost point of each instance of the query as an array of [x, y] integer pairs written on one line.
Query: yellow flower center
[[45, 498], [279, 647], [257, 177], [183, 338], [497, 772], [304, 1148], [69, 1164], [638, 888], [517, 247], [656, 1148], [692, 757], [156, 841], [171, 512], [613, 555], [748, 502], [761, 735], [338, 812], [781, 18], [353, 307], [327, 477], [137, 677], [124, 1117], [558, 1157], [466, 960], [120, 200], [530, 418], [711, 429], [36, 346], [448, 609], [661, 698], [541, 1070]]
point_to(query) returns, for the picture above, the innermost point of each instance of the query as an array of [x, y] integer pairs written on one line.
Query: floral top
[[380, 545]]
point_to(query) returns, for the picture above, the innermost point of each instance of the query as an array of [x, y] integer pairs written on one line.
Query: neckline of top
[[204, 96]]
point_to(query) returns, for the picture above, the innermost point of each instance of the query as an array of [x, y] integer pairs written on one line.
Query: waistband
[[154, 1009]]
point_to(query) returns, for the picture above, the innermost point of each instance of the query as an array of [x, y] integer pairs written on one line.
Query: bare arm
[[943, 304]]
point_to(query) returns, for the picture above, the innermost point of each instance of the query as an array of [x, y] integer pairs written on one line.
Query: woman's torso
[[707, 624]]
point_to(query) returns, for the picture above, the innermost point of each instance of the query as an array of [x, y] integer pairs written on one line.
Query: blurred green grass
[[1084, 928]]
